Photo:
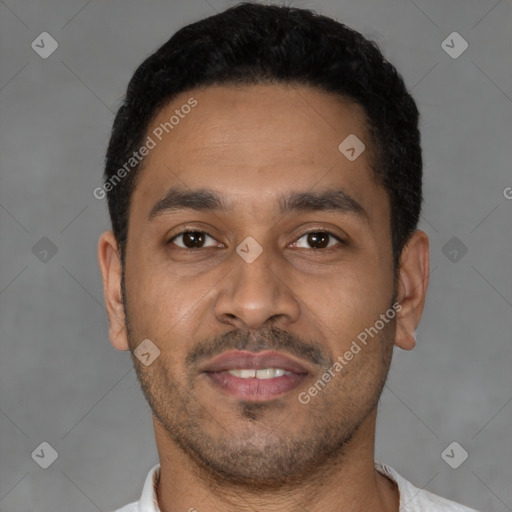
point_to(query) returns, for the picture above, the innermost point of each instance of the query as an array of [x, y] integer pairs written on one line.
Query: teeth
[[266, 373]]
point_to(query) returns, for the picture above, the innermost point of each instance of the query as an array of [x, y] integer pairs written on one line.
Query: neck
[[348, 483]]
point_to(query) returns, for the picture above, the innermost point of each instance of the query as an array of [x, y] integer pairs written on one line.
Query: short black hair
[[252, 43]]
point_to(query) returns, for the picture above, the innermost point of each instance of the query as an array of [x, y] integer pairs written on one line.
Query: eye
[[192, 239], [319, 238]]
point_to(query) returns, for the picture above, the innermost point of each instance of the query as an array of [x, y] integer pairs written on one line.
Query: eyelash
[[326, 232]]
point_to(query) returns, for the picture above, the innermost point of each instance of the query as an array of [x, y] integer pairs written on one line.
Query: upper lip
[[239, 359]]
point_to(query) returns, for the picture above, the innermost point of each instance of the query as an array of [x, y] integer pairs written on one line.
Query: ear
[[111, 271], [412, 288]]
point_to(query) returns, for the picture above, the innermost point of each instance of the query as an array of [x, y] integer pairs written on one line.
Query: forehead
[[250, 142]]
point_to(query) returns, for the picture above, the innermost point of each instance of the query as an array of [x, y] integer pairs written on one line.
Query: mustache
[[270, 338]]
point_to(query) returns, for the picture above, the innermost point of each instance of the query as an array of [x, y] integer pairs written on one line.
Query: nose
[[256, 294]]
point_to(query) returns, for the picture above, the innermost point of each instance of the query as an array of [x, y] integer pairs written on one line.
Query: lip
[[239, 359], [254, 389]]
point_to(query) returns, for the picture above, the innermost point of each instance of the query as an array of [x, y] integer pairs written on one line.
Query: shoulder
[[427, 502], [414, 499], [147, 501], [131, 507]]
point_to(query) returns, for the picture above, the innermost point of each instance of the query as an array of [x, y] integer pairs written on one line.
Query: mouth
[[255, 377]]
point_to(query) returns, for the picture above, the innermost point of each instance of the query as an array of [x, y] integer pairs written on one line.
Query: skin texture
[[299, 297]]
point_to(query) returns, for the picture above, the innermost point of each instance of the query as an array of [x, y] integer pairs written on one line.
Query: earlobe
[[111, 271], [412, 288]]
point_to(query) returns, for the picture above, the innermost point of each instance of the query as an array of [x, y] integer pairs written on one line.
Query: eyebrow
[[203, 199]]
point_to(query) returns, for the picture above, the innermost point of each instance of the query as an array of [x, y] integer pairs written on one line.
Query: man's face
[[306, 295]]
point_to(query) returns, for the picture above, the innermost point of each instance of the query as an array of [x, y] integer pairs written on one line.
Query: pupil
[[192, 236], [318, 239]]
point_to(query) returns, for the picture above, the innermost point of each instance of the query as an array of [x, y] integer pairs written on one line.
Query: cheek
[[150, 300], [352, 301], [168, 308]]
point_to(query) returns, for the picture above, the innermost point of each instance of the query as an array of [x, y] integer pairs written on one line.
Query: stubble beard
[[261, 457]]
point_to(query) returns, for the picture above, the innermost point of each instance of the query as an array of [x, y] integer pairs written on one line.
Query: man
[[264, 186]]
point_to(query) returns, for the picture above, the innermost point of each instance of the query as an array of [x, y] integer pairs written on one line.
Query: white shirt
[[412, 499]]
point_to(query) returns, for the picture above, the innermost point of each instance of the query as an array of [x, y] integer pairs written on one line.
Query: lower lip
[[256, 389]]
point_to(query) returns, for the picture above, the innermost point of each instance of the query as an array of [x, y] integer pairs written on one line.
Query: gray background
[[62, 382]]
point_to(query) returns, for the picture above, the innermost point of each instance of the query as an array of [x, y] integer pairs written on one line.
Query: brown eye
[[319, 239], [191, 239]]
